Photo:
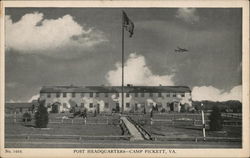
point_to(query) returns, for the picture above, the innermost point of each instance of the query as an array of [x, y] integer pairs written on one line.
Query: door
[[171, 106]]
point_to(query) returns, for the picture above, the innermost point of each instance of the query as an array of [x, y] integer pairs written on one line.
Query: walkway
[[136, 135]]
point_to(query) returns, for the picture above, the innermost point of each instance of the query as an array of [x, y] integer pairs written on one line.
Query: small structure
[[20, 107]]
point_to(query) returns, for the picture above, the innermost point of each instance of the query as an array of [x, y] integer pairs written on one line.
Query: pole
[[203, 123], [122, 63]]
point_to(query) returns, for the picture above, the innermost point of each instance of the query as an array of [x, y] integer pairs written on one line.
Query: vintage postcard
[[125, 78]]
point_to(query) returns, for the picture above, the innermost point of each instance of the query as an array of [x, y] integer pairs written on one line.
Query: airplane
[[180, 50]]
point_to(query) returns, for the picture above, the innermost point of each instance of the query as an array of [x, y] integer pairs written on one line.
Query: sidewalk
[[136, 135]]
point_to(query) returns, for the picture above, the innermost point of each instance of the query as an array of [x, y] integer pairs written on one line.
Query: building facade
[[109, 98], [20, 108]]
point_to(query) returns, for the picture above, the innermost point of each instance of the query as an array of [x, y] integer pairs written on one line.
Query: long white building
[[108, 98]]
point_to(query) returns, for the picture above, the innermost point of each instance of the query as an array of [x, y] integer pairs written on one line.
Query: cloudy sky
[[82, 46]]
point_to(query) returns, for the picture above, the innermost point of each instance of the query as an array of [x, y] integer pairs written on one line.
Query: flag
[[128, 24]]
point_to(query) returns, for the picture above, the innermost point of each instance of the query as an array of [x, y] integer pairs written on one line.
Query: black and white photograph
[[123, 78]]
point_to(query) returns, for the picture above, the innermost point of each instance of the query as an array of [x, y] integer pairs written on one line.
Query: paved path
[[136, 135]]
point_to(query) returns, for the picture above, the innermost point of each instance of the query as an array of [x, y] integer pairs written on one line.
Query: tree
[[216, 120], [26, 117], [183, 108], [41, 116]]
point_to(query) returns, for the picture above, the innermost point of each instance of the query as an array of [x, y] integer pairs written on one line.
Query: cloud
[[138, 73], [34, 97], [214, 94], [12, 84], [188, 15], [13, 101], [34, 33]]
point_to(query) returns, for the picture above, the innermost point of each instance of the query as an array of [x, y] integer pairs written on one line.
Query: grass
[[183, 126], [64, 129], [180, 128], [67, 128]]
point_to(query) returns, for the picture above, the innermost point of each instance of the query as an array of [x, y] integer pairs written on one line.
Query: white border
[[67, 152]]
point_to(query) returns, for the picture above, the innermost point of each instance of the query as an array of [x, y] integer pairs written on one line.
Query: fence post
[[62, 120], [85, 120], [72, 121]]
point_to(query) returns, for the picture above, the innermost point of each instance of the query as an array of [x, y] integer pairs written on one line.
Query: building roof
[[115, 89], [19, 105]]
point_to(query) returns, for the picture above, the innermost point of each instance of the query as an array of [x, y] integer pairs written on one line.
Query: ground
[[104, 131]]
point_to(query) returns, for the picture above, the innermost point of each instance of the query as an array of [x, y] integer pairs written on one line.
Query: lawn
[[182, 126], [96, 126], [64, 129]]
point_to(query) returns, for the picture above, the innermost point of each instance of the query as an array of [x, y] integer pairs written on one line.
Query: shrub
[[26, 117], [163, 110], [54, 108], [76, 113], [41, 116], [151, 113], [216, 120], [191, 109], [83, 113]]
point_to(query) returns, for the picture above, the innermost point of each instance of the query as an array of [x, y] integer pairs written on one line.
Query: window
[[106, 105], [127, 95], [82, 105], [73, 94], [182, 94], [97, 94], [151, 94], [57, 95], [49, 95], [136, 94], [90, 105], [142, 94], [82, 94], [90, 95], [106, 95], [168, 95], [117, 94], [127, 105], [64, 94], [174, 95], [159, 95]]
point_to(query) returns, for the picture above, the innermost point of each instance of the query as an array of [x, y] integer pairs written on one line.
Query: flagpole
[[122, 63]]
